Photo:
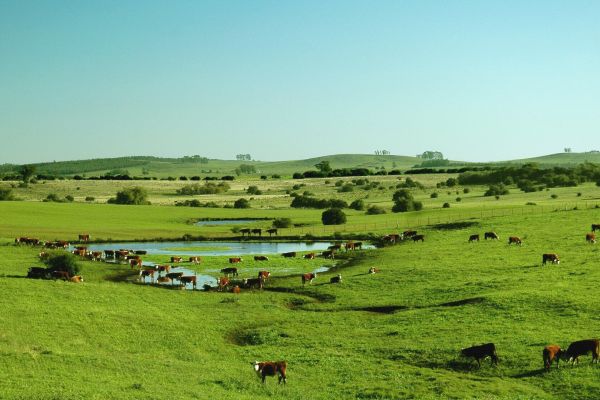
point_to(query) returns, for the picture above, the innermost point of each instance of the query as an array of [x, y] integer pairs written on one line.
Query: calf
[[176, 259], [76, 279], [474, 238], [336, 279], [96, 255], [135, 263], [163, 268], [582, 347], [481, 352], [230, 271], [235, 260], [392, 238], [551, 353], [308, 277], [553, 258], [416, 238], [261, 258], [309, 256], [271, 368], [515, 240], [289, 254], [236, 289], [590, 237], [373, 270], [195, 260], [491, 235]]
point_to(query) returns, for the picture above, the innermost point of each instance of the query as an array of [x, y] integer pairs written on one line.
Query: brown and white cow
[[223, 282], [308, 277], [174, 276], [491, 235], [374, 270], [176, 259], [76, 279], [163, 268], [254, 282], [233, 271], [392, 238], [96, 255], [350, 246], [135, 263], [147, 272], [309, 256], [481, 352], [261, 258], [235, 260], [195, 260], [236, 289], [408, 234], [552, 257], [595, 227], [474, 238], [84, 237], [271, 368], [184, 280], [264, 274], [550, 353], [583, 347], [515, 240], [590, 238]]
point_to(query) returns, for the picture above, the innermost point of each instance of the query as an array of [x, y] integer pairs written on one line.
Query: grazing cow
[[481, 352], [264, 274], [358, 246], [474, 238], [141, 252], [590, 238], [289, 254], [235, 260], [581, 348], [176, 259], [551, 353], [245, 230], [188, 279], [195, 260], [174, 276], [109, 254], [236, 289], [29, 241], [335, 247], [163, 268], [121, 254], [392, 238], [328, 254], [84, 237], [373, 270], [64, 275], [223, 283], [595, 227], [261, 258], [491, 235], [135, 263], [43, 255], [416, 238], [233, 271], [515, 240], [272, 231], [257, 231], [336, 279], [80, 253], [553, 258], [271, 368], [147, 272], [96, 255], [76, 279], [254, 282], [308, 277], [163, 279], [309, 256], [350, 246], [408, 234]]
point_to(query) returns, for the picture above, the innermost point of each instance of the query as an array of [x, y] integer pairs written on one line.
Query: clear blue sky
[[477, 80]]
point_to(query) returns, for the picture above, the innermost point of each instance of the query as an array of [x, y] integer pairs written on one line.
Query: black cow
[[481, 352]]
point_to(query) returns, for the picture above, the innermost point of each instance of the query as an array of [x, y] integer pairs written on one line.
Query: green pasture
[[392, 335]]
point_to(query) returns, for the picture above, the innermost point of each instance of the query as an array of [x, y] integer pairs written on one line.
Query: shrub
[[53, 197], [496, 190], [404, 201], [6, 195], [466, 190], [63, 261], [458, 199], [263, 177], [253, 190], [313, 202], [375, 210], [132, 196], [341, 182], [446, 205], [348, 187], [282, 223], [357, 204], [333, 216], [207, 188], [450, 182], [90, 198], [554, 195], [578, 194], [434, 195], [69, 198], [241, 203]]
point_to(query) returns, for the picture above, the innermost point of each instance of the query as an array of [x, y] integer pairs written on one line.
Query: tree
[[323, 166], [431, 155], [358, 204], [282, 223], [6, 195], [26, 172], [241, 203], [404, 201], [333, 216], [133, 196], [63, 261]]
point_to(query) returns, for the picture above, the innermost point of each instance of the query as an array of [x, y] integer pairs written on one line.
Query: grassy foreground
[[392, 335]]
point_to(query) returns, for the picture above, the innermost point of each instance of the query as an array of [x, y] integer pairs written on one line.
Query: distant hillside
[[562, 159]]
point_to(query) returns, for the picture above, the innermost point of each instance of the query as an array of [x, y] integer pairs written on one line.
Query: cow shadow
[[530, 374], [17, 276]]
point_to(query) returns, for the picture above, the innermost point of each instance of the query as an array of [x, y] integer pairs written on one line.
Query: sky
[[476, 80]]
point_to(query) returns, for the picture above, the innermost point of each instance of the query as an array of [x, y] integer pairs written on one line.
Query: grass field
[[392, 335]]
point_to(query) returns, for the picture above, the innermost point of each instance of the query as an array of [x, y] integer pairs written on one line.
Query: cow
[[373, 270], [553, 258], [109, 254], [481, 352], [236, 289], [235, 260], [43, 255], [163, 279], [147, 272], [195, 260], [416, 238], [223, 282], [245, 230], [515, 240], [309, 256], [132, 257], [595, 227], [358, 246], [176, 259], [328, 254], [64, 275], [491, 236], [257, 231], [350, 246], [141, 252], [261, 258], [474, 238], [308, 277], [121, 254], [272, 231], [163, 268], [135, 263], [289, 254], [581, 348], [551, 353], [84, 237], [271, 368], [392, 238], [174, 276], [188, 279], [80, 253], [230, 271], [254, 282], [96, 255], [408, 234], [336, 279], [76, 279], [335, 247], [590, 238], [264, 274]]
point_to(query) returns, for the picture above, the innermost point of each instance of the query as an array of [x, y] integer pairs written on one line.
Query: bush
[[282, 223], [313, 202], [207, 188], [6, 195], [69, 198], [90, 198], [63, 261], [375, 210], [333, 216], [253, 190], [496, 190], [466, 190], [132, 196], [404, 201], [446, 205], [450, 182], [348, 187], [241, 203], [458, 199], [434, 195], [554, 195], [53, 197], [358, 204]]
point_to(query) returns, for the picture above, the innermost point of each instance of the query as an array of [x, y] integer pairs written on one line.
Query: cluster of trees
[[53, 198], [530, 177], [245, 169], [410, 183], [382, 153], [243, 157], [404, 201], [196, 203], [6, 195], [207, 188], [195, 159], [302, 201], [132, 196], [431, 155]]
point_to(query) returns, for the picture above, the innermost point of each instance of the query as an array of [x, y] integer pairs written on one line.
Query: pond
[[213, 248], [201, 279]]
